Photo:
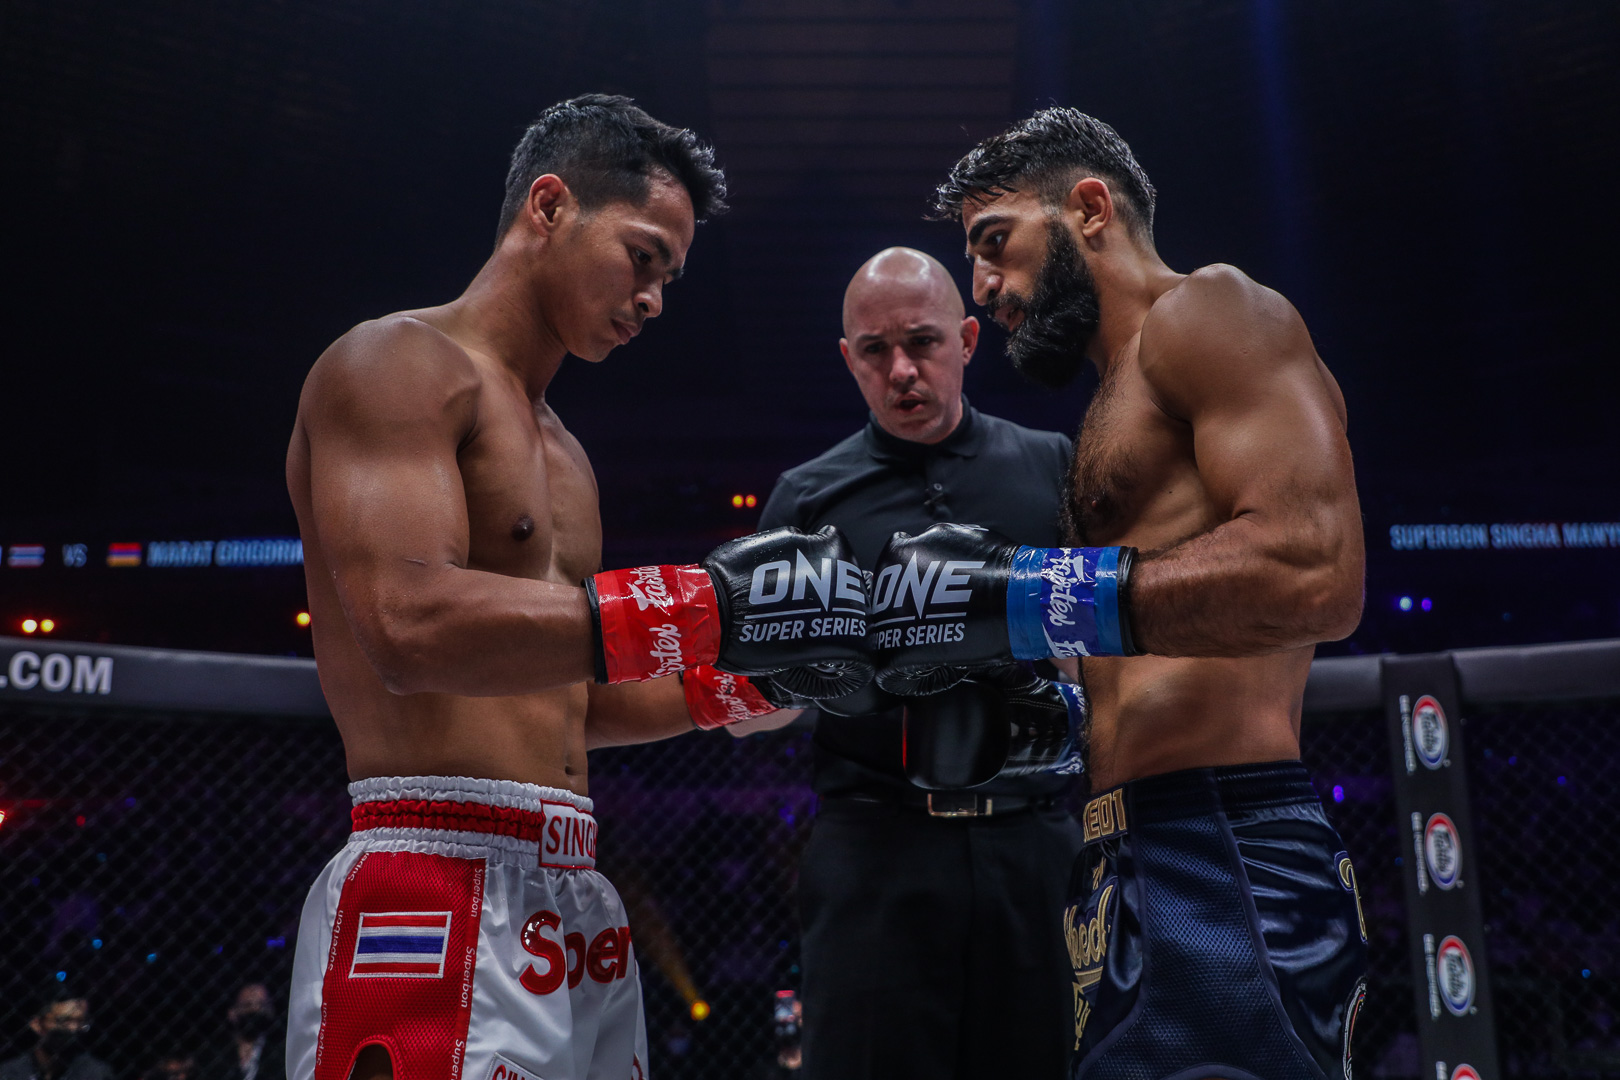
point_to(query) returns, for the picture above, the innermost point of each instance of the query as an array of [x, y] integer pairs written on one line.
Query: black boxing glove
[[961, 598], [995, 724], [776, 603], [867, 701]]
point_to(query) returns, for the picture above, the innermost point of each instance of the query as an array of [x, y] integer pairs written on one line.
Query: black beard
[[1060, 317]]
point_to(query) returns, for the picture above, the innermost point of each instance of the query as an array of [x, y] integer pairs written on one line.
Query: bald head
[[906, 341], [905, 276]]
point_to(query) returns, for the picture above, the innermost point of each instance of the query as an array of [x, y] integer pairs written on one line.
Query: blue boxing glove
[[960, 598]]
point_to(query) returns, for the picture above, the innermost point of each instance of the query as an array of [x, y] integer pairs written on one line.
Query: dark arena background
[[201, 196]]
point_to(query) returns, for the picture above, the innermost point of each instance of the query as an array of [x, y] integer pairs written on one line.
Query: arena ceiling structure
[[201, 196]]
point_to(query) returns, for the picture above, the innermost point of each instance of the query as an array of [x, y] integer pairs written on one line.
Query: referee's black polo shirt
[[987, 472]]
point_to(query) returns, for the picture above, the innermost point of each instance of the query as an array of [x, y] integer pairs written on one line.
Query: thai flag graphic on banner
[[401, 944], [26, 555]]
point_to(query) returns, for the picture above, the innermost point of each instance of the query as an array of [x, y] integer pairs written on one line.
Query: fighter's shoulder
[[1215, 323], [1218, 303], [401, 351]]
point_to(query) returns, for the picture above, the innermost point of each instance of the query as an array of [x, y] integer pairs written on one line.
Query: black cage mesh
[[160, 862]]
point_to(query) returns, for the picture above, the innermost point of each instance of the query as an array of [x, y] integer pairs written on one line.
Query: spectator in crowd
[[256, 1047], [59, 1026], [173, 1067]]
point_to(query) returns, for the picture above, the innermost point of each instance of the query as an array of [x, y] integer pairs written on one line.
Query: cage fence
[[159, 861]]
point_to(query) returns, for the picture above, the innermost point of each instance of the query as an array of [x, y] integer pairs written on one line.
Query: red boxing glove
[[716, 698], [747, 608], [653, 621]]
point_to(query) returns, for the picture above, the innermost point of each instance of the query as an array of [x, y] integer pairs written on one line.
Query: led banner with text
[[160, 554], [1506, 536], [1456, 1024]]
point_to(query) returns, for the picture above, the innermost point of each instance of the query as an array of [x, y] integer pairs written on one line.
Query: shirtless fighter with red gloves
[[448, 521], [1213, 924]]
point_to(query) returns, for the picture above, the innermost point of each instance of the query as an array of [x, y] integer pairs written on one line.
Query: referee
[[933, 944]]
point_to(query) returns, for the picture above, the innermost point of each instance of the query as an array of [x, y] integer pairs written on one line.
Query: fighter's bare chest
[[1135, 478], [531, 499]]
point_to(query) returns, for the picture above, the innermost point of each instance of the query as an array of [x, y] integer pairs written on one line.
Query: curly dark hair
[[1047, 153], [606, 149]]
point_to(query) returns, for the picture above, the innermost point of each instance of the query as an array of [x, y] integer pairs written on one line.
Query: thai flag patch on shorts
[[401, 944]]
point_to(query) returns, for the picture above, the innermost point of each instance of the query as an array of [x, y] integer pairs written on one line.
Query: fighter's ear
[[843, 347], [1090, 205], [970, 339], [547, 196]]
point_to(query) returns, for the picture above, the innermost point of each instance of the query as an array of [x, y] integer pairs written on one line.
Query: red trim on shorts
[[450, 817], [422, 1021]]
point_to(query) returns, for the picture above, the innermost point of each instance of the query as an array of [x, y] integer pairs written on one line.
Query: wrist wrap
[[653, 621], [715, 698], [1069, 602]]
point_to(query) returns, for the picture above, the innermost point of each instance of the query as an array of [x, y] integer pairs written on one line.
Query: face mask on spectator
[[59, 1042], [250, 1025]]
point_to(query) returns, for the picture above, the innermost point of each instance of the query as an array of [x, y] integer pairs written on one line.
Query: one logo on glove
[[833, 593], [935, 592]]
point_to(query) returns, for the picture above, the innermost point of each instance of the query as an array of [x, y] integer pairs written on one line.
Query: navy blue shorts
[[1214, 930]]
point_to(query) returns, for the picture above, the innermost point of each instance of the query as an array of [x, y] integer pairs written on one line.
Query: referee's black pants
[[933, 947]]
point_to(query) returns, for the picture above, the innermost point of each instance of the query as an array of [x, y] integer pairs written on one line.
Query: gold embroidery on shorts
[[1347, 878], [1104, 815], [1087, 940]]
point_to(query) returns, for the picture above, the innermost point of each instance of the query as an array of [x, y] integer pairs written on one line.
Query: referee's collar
[[965, 441]]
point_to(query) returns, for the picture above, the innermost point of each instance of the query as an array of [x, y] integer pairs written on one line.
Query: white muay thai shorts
[[464, 927]]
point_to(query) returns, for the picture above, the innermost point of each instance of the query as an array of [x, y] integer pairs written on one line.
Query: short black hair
[[606, 148], [1047, 153]]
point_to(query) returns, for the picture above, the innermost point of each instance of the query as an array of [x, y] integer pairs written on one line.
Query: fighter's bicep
[[1274, 449], [384, 424], [375, 504]]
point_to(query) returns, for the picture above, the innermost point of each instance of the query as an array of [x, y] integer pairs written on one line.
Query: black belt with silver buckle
[[971, 804]]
